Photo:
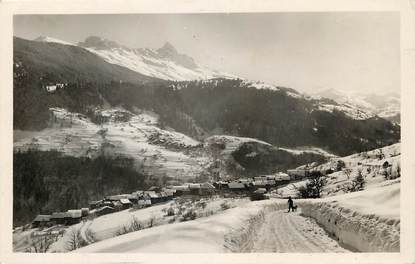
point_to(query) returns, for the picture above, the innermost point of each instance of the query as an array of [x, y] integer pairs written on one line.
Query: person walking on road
[[290, 204]]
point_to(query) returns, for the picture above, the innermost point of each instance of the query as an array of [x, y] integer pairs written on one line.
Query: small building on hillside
[[260, 184], [271, 183], [170, 193], [297, 174], [58, 218], [53, 87], [207, 189], [138, 194], [281, 177], [133, 198], [154, 197], [260, 178], [181, 190], [236, 186], [118, 197], [107, 203], [194, 188], [144, 202], [73, 216], [85, 212], [126, 203], [163, 196], [41, 221], [221, 185]]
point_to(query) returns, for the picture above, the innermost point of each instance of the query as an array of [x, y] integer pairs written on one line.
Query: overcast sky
[[304, 51]]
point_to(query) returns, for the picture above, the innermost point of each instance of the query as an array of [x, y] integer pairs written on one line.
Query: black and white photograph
[[261, 132]]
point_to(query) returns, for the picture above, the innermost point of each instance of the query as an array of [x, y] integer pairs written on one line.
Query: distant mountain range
[[198, 108], [168, 64]]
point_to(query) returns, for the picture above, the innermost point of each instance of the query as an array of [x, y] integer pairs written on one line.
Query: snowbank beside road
[[367, 221], [202, 235]]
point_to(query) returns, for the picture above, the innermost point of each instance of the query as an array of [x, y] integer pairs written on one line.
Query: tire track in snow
[[290, 232]]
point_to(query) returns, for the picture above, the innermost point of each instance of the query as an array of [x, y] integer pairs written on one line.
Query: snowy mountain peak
[[168, 51], [167, 48], [52, 40], [164, 63]]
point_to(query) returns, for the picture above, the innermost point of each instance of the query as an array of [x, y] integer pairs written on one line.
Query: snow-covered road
[[276, 231], [291, 232]]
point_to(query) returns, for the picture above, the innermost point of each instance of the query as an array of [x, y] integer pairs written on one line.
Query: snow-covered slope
[[106, 227], [231, 143], [121, 132], [348, 109], [314, 150], [203, 235], [385, 106]]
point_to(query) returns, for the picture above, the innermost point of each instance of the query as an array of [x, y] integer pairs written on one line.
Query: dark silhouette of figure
[[290, 204]]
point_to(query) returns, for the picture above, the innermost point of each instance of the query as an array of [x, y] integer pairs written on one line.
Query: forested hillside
[[229, 107], [47, 181]]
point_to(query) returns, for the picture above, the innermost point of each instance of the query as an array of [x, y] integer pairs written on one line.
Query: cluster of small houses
[[155, 195]]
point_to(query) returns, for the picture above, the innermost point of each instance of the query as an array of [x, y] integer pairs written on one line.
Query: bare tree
[[348, 172], [313, 187], [41, 244], [75, 239]]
